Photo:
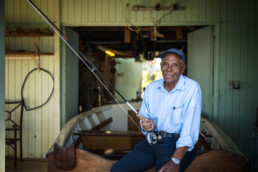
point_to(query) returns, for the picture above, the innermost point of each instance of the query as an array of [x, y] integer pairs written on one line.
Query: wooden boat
[[94, 140]]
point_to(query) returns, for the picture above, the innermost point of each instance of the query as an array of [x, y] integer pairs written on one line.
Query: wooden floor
[[26, 166]]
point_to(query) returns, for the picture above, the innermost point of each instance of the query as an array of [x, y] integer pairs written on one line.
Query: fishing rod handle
[[141, 117]]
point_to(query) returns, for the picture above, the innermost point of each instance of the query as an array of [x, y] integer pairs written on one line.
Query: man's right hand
[[148, 125]]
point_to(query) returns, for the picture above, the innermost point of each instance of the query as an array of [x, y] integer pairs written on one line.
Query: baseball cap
[[173, 51]]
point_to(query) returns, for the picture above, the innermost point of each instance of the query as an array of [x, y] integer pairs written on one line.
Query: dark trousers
[[145, 156]]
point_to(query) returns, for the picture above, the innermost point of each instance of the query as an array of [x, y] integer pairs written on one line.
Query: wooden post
[[127, 35], [2, 85]]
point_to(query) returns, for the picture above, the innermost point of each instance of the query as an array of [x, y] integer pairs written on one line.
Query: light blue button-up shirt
[[177, 111]]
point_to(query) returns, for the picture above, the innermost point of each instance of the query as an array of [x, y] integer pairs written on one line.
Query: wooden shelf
[[24, 55], [29, 34]]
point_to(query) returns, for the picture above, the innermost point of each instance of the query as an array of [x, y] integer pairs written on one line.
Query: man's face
[[172, 67]]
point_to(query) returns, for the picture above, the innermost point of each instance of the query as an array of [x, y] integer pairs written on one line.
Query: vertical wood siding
[[40, 126], [235, 51]]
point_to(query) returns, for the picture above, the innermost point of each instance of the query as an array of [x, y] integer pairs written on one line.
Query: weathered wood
[[131, 119], [64, 158], [110, 133], [127, 34], [103, 124], [215, 161], [85, 161]]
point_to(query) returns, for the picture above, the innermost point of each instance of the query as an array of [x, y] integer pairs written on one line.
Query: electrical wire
[[23, 85]]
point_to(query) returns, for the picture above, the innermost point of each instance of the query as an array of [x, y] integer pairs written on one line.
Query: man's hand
[[170, 167], [148, 125]]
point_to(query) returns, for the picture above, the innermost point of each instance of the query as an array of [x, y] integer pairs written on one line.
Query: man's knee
[[115, 168]]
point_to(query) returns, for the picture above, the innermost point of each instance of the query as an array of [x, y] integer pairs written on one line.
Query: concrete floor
[[26, 165]]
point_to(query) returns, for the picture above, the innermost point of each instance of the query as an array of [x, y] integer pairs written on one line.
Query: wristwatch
[[176, 161]]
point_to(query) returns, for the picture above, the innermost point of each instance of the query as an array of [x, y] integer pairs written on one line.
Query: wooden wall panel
[[2, 87], [41, 126], [111, 12]]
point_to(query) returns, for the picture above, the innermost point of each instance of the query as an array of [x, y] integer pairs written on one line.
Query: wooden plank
[[236, 93], [224, 10], [52, 133], [104, 11], [217, 161], [78, 11], [231, 10], [209, 10], [188, 11], [27, 53], [85, 11], [179, 34], [202, 10], [92, 11], [64, 11], [251, 107], [24, 11], [216, 11], [29, 35], [222, 76], [103, 124], [195, 10], [229, 77], [55, 117], [147, 14], [71, 11], [98, 11], [127, 35], [119, 11], [244, 84], [132, 15], [103, 142], [131, 124], [26, 117], [45, 109], [238, 10]]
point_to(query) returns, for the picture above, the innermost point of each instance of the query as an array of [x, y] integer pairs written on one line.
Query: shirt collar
[[180, 85]]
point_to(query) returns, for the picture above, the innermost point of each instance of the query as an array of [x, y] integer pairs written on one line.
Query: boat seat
[[110, 144]]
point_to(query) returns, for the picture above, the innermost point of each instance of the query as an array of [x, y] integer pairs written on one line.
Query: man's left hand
[[170, 166]]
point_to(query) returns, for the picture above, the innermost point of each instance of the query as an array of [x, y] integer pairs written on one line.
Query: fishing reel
[[152, 138]]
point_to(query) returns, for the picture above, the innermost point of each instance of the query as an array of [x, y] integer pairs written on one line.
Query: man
[[172, 109]]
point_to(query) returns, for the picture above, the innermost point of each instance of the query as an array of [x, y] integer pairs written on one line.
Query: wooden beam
[[103, 124], [179, 34], [127, 35], [153, 36]]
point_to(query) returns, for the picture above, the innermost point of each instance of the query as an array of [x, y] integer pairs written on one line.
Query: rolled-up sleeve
[[144, 110], [191, 120]]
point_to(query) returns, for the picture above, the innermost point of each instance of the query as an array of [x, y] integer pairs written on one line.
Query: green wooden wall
[[2, 85]]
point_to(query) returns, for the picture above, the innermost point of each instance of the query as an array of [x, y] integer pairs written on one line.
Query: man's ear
[[183, 69]]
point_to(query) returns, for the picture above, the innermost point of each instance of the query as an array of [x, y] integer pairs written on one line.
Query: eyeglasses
[[165, 66]]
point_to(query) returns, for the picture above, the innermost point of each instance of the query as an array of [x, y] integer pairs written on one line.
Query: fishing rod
[[85, 60]]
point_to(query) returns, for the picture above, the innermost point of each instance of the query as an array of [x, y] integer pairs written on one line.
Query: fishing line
[[83, 58]]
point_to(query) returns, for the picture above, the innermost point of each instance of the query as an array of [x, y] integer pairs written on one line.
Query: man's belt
[[154, 136], [164, 134]]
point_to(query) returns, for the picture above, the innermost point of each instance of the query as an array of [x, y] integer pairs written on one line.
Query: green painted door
[[69, 77], [199, 64]]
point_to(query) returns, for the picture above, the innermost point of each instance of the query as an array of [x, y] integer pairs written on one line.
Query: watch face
[[176, 161]]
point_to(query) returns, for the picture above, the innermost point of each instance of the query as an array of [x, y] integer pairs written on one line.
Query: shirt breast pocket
[[176, 115]]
